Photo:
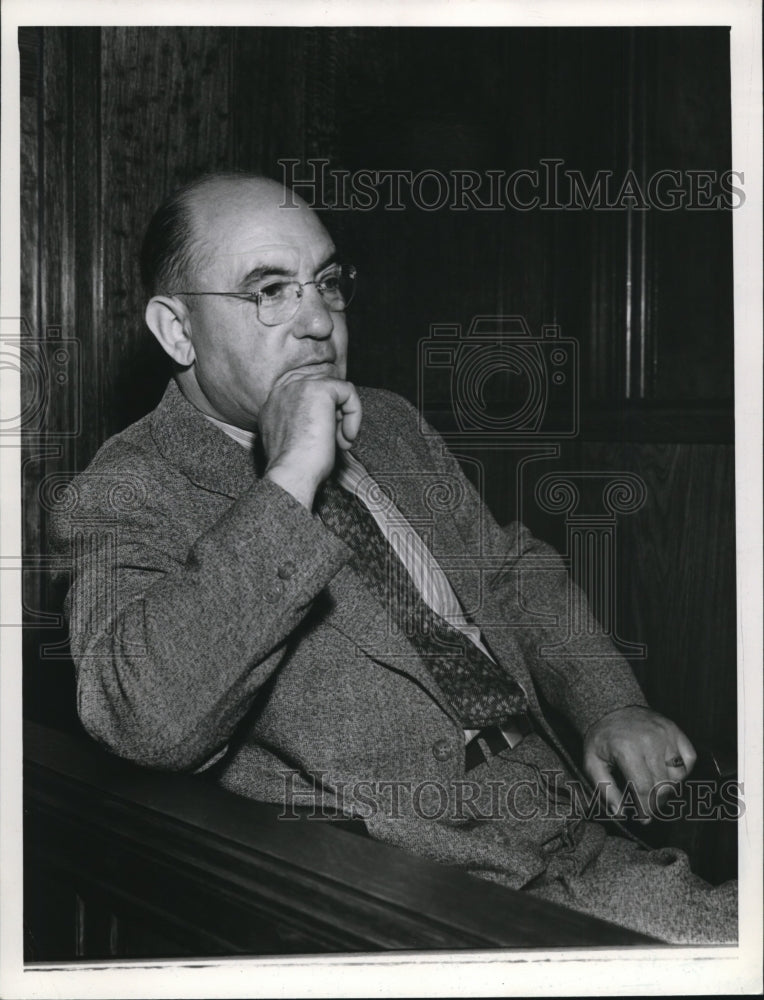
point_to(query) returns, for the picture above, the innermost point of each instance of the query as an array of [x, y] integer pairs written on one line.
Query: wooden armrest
[[211, 873]]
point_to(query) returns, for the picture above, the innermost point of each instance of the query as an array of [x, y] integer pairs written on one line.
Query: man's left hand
[[647, 749]]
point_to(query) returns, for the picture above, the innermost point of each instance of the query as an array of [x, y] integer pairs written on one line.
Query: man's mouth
[[325, 363], [317, 368]]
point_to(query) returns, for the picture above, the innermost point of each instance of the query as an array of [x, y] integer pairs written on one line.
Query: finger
[[342, 442], [640, 780], [686, 751], [602, 778], [679, 757], [674, 766], [664, 760], [350, 424], [664, 780], [662, 792]]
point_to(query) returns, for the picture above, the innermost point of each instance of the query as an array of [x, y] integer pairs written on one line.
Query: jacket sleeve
[[174, 634], [588, 677]]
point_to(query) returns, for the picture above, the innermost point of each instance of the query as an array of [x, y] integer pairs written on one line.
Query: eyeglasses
[[278, 301]]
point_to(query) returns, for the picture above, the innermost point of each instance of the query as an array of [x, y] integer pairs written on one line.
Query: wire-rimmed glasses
[[278, 301]]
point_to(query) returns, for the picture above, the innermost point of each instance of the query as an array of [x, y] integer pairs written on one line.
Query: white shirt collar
[[245, 438]]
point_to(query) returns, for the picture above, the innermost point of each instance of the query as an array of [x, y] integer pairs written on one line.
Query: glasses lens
[[279, 300], [338, 287]]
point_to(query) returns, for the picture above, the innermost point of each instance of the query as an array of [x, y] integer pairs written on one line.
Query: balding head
[[222, 257], [190, 224]]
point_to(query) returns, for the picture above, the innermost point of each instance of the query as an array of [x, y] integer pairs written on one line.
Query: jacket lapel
[[211, 460], [216, 463], [200, 450], [357, 614]]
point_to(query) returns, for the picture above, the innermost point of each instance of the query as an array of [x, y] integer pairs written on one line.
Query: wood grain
[[225, 875], [165, 119]]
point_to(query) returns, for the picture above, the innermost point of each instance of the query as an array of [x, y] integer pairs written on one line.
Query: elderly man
[[305, 595]]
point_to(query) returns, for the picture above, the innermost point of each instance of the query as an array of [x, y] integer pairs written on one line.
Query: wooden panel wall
[[114, 118]]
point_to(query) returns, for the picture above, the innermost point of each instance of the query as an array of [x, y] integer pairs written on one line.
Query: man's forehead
[[244, 227], [285, 255]]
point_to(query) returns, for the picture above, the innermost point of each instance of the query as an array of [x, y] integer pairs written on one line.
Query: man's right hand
[[303, 421]]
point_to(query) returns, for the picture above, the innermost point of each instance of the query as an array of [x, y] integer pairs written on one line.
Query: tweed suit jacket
[[210, 613]]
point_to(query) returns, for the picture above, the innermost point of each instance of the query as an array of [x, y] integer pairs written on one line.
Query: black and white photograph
[[381, 544]]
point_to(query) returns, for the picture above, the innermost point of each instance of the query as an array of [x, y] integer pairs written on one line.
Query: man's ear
[[168, 320]]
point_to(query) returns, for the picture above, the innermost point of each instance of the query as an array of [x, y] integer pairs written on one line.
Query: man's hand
[[646, 748], [303, 421]]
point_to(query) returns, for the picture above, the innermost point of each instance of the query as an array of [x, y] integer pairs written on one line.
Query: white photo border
[[665, 971]]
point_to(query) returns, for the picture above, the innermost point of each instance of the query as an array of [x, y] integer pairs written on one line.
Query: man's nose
[[314, 318]]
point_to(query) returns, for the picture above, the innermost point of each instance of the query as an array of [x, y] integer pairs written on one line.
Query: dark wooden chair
[[122, 862]]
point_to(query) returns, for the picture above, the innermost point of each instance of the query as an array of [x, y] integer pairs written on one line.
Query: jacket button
[[287, 570], [274, 594], [441, 750]]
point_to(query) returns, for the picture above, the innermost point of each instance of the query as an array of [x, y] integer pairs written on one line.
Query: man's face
[[249, 242]]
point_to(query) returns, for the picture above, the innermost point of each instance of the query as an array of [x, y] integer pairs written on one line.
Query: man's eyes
[[278, 289], [271, 291], [330, 280]]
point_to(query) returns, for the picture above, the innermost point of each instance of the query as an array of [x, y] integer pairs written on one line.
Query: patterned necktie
[[479, 691]]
